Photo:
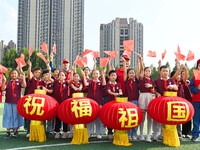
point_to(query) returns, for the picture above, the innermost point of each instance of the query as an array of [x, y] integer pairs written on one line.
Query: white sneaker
[[142, 138], [155, 138], [64, 136], [28, 135], [148, 138], [99, 136], [57, 136], [134, 138], [70, 135]]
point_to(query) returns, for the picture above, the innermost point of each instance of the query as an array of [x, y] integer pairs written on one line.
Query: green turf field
[[21, 142]]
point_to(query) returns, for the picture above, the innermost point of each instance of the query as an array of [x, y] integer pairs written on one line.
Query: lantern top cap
[[75, 95], [167, 93], [39, 91], [121, 99]]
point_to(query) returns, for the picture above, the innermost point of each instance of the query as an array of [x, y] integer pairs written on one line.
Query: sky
[[167, 23]]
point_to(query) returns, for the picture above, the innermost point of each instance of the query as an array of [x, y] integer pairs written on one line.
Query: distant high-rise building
[[113, 34], [52, 21], [4, 48]]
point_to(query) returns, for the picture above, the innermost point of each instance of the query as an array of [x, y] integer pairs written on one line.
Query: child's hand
[[29, 63], [122, 59], [147, 85], [51, 56], [4, 79]]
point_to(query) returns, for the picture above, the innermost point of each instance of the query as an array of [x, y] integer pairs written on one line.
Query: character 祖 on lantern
[[37, 107], [170, 110], [121, 116], [79, 111]]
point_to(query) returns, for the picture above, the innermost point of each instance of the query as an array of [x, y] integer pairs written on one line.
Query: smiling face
[[147, 72], [61, 76], [14, 75], [95, 74], [86, 71], [76, 77], [164, 73], [65, 65], [131, 74], [37, 73]]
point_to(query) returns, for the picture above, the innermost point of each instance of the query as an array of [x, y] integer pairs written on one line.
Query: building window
[[126, 31], [122, 31]]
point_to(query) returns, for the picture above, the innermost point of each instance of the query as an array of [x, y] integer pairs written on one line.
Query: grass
[[58, 144]]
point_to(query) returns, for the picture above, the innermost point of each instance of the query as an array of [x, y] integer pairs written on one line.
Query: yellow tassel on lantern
[[37, 130], [80, 135], [121, 136], [170, 134]]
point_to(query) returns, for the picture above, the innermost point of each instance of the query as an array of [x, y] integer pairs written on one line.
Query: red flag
[[20, 61], [112, 54], [81, 61], [179, 56], [104, 62], [54, 48], [190, 56], [39, 54], [163, 54], [30, 50], [44, 47], [128, 53], [87, 51], [128, 45], [95, 54], [3, 69], [151, 53]]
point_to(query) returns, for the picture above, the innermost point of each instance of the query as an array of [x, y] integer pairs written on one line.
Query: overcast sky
[[167, 23]]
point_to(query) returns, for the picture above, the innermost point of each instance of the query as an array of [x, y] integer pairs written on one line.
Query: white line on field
[[52, 145]]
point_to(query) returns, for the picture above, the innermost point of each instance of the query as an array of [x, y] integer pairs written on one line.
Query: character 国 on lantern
[[170, 110], [121, 116], [37, 107], [79, 111]]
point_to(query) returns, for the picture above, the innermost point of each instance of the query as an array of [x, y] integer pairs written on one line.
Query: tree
[[9, 58]]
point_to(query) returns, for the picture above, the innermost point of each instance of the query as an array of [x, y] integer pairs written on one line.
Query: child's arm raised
[[23, 79], [3, 87], [30, 74], [125, 69], [84, 78]]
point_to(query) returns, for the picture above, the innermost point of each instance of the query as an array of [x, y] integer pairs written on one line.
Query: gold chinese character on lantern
[[177, 111], [129, 117], [36, 103], [81, 108]]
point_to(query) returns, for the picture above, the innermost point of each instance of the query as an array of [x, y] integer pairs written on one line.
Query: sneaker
[[194, 139], [187, 136], [57, 136], [110, 137], [28, 135], [134, 138], [130, 138], [7, 135], [64, 136], [99, 136], [155, 138], [15, 134], [142, 138], [148, 138]]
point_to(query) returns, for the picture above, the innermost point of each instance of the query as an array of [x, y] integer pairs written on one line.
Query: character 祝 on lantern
[[37, 107]]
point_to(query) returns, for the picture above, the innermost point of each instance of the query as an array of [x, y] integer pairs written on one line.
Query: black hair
[[111, 71], [129, 69], [45, 71], [86, 68], [37, 68], [172, 73], [147, 68], [164, 66]]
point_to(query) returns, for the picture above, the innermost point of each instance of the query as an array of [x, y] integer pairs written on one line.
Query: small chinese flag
[[54, 48], [87, 51], [128, 53], [20, 61], [81, 61], [39, 54], [44, 47], [190, 56], [163, 54], [151, 53], [128, 45], [3, 69], [179, 56], [112, 54], [104, 62], [95, 54], [30, 50]]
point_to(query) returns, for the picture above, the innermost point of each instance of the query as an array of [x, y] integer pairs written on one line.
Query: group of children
[[137, 85]]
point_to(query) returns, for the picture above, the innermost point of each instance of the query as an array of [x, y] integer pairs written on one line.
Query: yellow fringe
[[80, 135], [37, 132], [121, 138], [170, 135]]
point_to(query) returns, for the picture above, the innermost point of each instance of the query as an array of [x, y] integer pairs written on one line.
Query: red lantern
[[170, 110], [37, 107], [121, 116], [79, 111]]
